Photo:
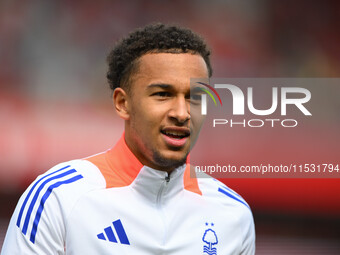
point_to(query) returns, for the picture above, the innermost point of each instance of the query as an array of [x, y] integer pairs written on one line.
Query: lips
[[175, 136]]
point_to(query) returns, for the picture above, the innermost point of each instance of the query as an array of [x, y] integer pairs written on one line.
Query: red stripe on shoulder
[[118, 165], [190, 181]]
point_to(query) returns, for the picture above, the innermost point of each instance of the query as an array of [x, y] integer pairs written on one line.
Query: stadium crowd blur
[[54, 100]]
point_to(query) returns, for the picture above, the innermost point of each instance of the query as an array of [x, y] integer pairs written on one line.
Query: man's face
[[159, 127]]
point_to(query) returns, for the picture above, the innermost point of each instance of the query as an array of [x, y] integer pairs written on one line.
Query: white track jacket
[[111, 204]]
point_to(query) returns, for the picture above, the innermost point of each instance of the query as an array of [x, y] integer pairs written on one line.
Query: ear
[[121, 103]]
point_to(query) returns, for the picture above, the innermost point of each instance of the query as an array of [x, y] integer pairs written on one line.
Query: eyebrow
[[160, 85], [196, 89]]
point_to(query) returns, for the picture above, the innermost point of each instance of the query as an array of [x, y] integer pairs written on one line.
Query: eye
[[161, 94], [196, 97]]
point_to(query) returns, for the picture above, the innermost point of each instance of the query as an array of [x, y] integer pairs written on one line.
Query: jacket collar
[[121, 168]]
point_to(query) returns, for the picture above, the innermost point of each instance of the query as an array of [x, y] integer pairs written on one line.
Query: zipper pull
[[167, 178]]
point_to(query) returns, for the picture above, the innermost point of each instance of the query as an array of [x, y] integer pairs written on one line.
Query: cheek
[[145, 119], [148, 115], [154, 113], [197, 119]]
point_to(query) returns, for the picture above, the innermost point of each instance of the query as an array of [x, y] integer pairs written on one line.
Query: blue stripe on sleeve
[[43, 200], [29, 212], [232, 196], [227, 188], [30, 192]]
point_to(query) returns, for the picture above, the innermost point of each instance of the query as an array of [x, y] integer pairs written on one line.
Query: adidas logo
[[110, 236]]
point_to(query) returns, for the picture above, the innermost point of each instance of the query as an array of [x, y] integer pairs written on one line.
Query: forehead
[[169, 68]]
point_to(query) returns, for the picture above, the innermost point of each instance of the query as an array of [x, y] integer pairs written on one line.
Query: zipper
[[160, 192], [160, 208]]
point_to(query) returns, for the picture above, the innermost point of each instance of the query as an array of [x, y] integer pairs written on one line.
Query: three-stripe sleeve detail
[[57, 178]]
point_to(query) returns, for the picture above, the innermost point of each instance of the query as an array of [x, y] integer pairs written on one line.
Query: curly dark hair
[[152, 38]]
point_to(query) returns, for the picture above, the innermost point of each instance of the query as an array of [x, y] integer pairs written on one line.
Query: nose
[[180, 110]]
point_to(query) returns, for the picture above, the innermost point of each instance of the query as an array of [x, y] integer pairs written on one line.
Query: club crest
[[210, 238]]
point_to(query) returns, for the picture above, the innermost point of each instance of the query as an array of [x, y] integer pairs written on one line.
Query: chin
[[171, 160]]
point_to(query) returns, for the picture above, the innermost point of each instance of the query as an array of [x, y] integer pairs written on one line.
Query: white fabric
[[157, 216]]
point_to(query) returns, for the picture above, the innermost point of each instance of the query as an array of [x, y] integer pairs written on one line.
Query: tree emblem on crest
[[210, 238]]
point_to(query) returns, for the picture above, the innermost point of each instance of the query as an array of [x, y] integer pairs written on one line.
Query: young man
[[138, 197]]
